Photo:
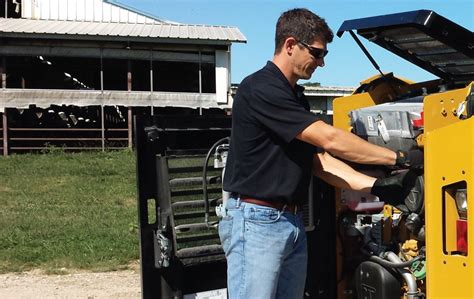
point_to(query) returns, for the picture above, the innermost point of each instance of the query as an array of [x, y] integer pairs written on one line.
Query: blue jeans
[[266, 251]]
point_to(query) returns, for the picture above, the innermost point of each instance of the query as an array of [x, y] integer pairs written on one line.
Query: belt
[[288, 207]]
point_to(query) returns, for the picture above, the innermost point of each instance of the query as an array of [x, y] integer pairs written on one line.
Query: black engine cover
[[376, 282]]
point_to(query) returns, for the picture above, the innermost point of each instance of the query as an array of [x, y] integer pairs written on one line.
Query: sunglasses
[[315, 52]]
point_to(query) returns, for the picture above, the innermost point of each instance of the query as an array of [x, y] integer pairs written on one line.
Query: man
[[271, 159]]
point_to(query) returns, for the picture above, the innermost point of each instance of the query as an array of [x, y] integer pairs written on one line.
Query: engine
[[384, 245]]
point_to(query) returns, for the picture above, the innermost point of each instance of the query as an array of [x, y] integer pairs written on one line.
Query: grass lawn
[[68, 210]]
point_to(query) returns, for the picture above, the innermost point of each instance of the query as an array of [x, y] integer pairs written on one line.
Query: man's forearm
[[346, 145], [339, 174], [351, 147]]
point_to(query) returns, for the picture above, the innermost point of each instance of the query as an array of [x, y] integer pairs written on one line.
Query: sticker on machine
[[370, 123], [214, 294]]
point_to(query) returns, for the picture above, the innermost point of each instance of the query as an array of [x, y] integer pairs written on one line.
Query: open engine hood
[[424, 38]]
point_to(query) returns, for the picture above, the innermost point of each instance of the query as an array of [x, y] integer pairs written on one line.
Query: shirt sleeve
[[280, 111]]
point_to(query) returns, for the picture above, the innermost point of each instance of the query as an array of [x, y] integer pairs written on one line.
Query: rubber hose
[[386, 263]]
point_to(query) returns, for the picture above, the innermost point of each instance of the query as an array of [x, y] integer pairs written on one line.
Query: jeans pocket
[[225, 231]]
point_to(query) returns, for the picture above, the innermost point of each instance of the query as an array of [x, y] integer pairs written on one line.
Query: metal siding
[[98, 10], [81, 12], [71, 10], [123, 15], [43, 9], [106, 13], [89, 11], [132, 18], [140, 19], [54, 9], [26, 10], [222, 76], [114, 14], [62, 10]]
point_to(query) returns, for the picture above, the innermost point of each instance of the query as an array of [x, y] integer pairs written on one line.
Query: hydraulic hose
[[398, 264], [204, 177]]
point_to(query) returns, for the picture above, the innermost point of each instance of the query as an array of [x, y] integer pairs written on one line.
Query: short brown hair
[[303, 25]]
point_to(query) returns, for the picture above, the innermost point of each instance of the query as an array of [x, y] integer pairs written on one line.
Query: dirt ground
[[36, 284]]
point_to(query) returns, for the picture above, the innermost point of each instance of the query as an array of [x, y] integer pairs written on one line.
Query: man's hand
[[393, 190], [412, 158]]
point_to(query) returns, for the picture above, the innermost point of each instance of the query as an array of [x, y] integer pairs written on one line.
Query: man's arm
[[339, 174], [346, 145]]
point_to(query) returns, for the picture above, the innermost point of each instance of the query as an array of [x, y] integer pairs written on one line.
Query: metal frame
[[153, 182]]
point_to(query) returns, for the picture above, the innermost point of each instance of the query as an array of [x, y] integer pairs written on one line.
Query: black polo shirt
[[265, 160]]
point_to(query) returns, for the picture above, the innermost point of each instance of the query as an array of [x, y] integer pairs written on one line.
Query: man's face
[[308, 57]]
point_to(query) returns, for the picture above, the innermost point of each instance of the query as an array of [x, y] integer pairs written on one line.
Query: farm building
[[73, 73]]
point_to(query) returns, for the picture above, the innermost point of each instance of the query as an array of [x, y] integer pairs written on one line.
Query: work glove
[[394, 189], [408, 159]]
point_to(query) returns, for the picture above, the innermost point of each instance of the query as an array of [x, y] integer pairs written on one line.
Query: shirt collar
[[273, 68]]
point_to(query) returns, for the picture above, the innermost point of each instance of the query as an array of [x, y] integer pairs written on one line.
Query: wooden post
[[130, 141], [129, 118], [152, 110], [200, 80], [102, 126], [5, 132], [3, 74], [102, 122]]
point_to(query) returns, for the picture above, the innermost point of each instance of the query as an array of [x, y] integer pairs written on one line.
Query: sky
[[345, 65]]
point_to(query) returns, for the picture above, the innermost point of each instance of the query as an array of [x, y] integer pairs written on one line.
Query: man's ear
[[289, 45]]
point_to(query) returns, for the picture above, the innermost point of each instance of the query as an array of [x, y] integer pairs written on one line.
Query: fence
[[99, 135]]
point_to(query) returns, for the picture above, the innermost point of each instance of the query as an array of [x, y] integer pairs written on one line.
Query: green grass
[[62, 210]]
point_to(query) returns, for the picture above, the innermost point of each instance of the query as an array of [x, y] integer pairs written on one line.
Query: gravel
[[89, 285]]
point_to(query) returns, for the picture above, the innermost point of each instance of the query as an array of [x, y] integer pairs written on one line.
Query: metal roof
[[100, 30]]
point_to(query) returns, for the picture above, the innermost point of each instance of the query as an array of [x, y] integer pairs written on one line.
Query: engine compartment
[[382, 247]]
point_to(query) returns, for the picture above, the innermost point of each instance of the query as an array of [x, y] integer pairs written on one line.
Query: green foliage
[[62, 210], [311, 84]]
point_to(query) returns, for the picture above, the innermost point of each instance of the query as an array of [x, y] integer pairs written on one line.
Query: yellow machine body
[[448, 143], [449, 161]]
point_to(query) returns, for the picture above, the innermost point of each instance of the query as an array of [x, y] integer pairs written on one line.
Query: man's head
[[300, 40], [303, 25]]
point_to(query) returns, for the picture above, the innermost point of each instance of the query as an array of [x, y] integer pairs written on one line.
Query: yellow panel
[[440, 108], [342, 106], [378, 76], [379, 91], [449, 152]]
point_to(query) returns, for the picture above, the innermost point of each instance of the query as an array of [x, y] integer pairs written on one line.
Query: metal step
[[193, 181], [196, 203]]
